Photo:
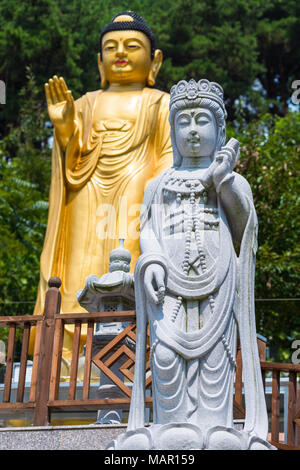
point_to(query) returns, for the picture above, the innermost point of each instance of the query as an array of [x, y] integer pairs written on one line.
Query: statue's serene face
[[126, 56], [195, 132]]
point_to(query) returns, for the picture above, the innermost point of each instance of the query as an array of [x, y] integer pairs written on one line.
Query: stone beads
[[176, 309], [192, 222], [228, 352]]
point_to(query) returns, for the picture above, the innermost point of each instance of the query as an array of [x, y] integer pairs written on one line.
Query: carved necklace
[[184, 186], [193, 222], [192, 188]]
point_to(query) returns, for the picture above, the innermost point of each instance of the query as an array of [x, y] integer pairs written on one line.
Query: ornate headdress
[[193, 90], [137, 24]]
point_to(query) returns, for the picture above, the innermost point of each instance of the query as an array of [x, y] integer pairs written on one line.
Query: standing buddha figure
[[108, 145]]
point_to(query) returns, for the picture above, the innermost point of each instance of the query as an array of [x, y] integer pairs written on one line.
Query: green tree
[[279, 51], [51, 37], [252, 47], [25, 178], [270, 162]]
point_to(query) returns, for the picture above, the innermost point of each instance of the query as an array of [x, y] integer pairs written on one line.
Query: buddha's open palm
[[61, 106]]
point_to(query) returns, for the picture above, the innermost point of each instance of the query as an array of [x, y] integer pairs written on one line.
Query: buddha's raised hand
[[61, 107]]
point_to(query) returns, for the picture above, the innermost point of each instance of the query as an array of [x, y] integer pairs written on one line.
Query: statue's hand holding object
[[155, 283], [222, 165]]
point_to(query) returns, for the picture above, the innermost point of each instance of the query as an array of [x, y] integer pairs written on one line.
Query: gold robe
[[97, 187]]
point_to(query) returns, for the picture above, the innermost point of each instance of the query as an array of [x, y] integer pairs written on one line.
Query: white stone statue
[[194, 285]]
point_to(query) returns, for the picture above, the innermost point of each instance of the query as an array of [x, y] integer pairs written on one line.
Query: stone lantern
[[114, 291]]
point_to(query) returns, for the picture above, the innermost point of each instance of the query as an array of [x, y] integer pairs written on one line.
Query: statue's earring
[[155, 66], [101, 72]]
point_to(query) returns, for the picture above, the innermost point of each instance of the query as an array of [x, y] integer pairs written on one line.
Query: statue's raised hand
[[222, 165], [225, 161], [61, 107]]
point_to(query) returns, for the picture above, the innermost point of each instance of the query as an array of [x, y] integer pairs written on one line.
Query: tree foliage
[[270, 162], [25, 179], [252, 47]]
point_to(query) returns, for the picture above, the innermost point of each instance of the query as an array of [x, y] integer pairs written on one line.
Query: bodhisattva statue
[[107, 146], [194, 285]]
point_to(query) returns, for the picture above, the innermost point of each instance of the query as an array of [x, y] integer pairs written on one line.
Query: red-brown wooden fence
[[46, 368]]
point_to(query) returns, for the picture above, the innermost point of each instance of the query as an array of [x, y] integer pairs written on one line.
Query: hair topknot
[[138, 24]]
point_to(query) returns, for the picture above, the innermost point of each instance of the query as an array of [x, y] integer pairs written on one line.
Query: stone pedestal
[[185, 436]]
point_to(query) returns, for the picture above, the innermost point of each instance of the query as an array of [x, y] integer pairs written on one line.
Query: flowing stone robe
[[193, 355], [106, 163]]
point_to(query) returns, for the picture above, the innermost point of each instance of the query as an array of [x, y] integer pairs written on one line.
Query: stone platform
[[89, 437], [75, 437]]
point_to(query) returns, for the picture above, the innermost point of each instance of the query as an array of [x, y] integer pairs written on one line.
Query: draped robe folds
[[106, 164], [193, 387]]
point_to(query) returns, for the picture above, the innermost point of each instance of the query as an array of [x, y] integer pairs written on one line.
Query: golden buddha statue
[[107, 146]]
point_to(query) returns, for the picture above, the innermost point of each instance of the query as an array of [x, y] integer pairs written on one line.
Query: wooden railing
[[47, 355], [46, 368], [293, 437]]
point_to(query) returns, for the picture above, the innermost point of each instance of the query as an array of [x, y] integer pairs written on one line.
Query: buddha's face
[[196, 132], [126, 57]]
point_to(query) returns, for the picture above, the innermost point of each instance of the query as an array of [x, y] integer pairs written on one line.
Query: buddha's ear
[[101, 71], [155, 66]]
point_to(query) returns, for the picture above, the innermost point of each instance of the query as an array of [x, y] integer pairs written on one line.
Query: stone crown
[[192, 90]]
